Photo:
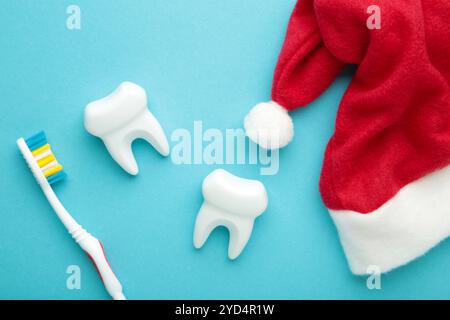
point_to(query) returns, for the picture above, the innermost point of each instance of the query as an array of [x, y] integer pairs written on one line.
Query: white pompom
[[269, 125]]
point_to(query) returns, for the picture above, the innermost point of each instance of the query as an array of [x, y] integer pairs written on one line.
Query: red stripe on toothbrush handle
[[95, 264]]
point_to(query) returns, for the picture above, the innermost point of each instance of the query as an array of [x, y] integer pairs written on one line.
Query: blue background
[[198, 60]]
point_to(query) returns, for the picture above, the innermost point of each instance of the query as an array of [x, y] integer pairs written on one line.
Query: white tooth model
[[122, 117], [231, 202]]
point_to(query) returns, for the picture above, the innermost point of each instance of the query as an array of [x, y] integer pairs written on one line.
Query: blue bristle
[[36, 141], [57, 177]]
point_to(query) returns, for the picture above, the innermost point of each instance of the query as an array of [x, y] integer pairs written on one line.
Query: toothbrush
[[48, 171]]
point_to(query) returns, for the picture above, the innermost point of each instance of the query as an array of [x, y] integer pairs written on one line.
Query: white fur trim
[[269, 125], [404, 228]]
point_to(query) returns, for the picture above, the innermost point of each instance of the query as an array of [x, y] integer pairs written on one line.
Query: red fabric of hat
[[386, 173]]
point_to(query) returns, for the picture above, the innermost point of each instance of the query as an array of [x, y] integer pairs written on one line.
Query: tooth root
[[239, 238], [207, 221], [231, 202], [152, 132], [211, 217], [120, 150], [122, 117]]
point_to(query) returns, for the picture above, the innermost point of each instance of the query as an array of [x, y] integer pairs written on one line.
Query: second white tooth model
[[122, 117], [232, 202]]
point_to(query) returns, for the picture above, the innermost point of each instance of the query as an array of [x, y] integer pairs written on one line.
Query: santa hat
[[386, 171]]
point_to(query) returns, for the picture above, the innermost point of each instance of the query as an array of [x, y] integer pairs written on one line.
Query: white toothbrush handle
[[91, 245], [94, 249]]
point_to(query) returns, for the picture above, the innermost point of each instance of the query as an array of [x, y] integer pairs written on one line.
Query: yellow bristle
[[53, 170], [46, 160], [40, 150]]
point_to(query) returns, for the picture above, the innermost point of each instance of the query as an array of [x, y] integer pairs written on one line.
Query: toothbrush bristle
[[45, 158]]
